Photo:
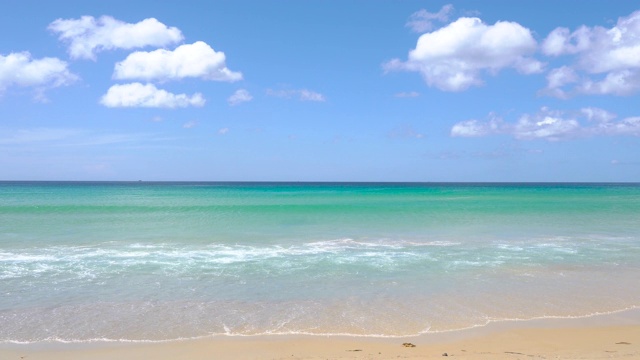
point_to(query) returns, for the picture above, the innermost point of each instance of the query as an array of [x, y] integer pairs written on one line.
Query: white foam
[[275, 332], [22, 257]]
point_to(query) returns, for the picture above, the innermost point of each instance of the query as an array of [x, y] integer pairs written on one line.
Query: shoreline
[[613, 317], [592, 337]]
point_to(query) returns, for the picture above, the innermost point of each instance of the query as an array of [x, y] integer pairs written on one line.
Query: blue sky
[[320, 90]]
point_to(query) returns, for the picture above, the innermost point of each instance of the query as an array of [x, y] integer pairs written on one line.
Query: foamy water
[[153, 262]]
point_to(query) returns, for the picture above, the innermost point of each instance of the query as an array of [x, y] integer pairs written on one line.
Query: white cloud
[[302, 94], [623, 82], [546, 124], [606, 125], [552, 125], [475, 128], [609, 59], [223, 131], [308, 95], [19, 69], [560, 41], [190, 124], [454, 57], [556, 79], [139, 95], [87, 35], [422, 20], [238, 97], [597, 115], [197, 60]]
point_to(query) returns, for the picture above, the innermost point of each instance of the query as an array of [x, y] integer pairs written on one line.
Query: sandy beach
[[599, 337], [316, 179]]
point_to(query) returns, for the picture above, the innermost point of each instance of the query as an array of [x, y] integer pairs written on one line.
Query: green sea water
[[158, 261]]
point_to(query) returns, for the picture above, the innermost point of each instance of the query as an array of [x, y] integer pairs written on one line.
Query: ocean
[[139, 261]]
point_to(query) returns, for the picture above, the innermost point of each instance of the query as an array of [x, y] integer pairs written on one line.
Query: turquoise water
[[161, 261]]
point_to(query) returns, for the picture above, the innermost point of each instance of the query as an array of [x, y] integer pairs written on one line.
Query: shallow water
[[158, 261]]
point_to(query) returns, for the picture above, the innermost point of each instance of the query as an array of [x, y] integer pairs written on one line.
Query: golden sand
[[592, 338]]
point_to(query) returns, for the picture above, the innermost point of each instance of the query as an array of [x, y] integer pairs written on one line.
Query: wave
[[629, 312], [212, 253], [383, 253]]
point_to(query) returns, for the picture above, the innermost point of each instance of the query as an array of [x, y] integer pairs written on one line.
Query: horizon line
[[312, 182]]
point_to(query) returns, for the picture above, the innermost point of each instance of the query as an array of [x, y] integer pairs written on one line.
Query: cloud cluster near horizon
[[551, 125]]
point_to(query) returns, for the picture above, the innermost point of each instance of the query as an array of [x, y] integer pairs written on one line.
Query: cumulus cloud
[[607, 60], [454, 57], [239, 97], [87, 35], [551, 125], [223, 131], [19, 69], [560, 41], [139, 95], [197, 60], [302, 94], [625, 82], [422, 20]]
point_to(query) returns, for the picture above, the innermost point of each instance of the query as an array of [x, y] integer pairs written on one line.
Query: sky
[[316, 90]]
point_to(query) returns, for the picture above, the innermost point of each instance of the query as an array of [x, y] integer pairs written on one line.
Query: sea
[[159, 261]]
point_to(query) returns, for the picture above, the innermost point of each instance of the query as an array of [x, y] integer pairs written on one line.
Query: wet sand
[[599, 337]]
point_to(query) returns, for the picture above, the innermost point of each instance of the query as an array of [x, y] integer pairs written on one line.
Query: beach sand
[[599, 337]]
